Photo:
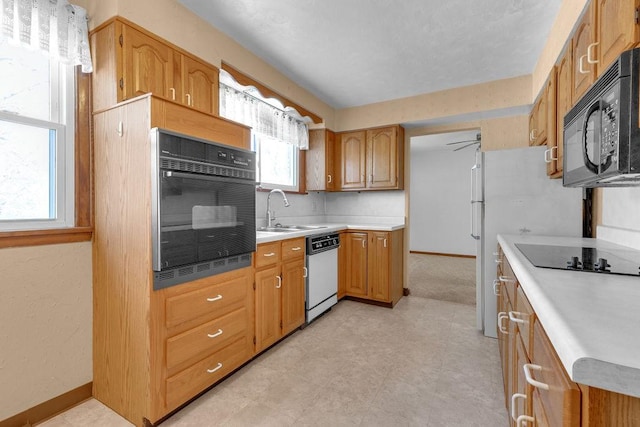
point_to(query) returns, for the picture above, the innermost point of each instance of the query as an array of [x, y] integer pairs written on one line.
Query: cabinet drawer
[[525, 317], [267, 254], [293, 248], [561, 402], [195, 344], [211, 301], [189, 382]]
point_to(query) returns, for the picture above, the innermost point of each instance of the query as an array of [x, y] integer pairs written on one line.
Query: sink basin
[[290, 228]]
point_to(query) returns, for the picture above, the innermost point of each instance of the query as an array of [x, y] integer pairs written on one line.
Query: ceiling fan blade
[[468, 145], [460, 142]]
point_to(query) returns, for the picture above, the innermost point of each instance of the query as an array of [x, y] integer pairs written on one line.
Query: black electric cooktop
[[605, 261]]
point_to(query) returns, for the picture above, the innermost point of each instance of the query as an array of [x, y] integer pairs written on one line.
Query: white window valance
[[52, 26], [243, 106]]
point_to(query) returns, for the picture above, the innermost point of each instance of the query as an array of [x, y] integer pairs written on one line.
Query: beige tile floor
[[421, 364]]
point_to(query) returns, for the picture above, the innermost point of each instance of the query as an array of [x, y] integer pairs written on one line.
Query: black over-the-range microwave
[[602, 133]]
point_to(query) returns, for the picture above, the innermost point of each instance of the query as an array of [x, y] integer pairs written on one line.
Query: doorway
[[442, 258]]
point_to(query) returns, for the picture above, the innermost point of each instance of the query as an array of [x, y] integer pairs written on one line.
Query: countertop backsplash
[[374, 207]]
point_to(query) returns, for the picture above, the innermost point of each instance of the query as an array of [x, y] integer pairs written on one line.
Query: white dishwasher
[[322, 274]]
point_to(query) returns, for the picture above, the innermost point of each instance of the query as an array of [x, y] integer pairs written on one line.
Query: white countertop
[[592, 319], [265, 237]]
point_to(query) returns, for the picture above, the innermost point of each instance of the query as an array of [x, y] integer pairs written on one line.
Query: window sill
[[13, 239]]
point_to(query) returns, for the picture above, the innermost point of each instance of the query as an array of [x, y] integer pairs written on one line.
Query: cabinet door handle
[[513, 316], [556, 156], [503, 329], [172, 91], [496, 283], [219, 297], [581, 65], [120, 129], [524, 418], [189, 100], [532, 135], [216, 334], [590, 59], [497, 261], [513, 404], [506, 279], [305, 272], [547, 156], [385, 243], [329, 179], [527, 368], [363, 243], [270, 254], [218, 366], [279, 285]]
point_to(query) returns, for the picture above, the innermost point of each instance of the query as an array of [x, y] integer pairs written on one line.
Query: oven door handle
[[202, 177]]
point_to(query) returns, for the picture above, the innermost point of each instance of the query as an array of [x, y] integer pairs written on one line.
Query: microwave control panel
[[610, 105]]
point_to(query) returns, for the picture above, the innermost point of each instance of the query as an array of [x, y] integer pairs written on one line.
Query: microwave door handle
[[593, 167]]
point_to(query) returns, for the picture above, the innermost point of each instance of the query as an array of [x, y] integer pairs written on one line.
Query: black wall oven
[[203, 208]]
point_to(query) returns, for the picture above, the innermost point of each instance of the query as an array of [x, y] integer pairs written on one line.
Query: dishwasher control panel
[[321, 243]]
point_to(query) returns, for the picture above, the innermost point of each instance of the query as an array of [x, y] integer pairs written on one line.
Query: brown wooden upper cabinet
[[564, 88], [129, 61], [320, 160], [584, 59], [371, 159], [616, 29], [542, 117]]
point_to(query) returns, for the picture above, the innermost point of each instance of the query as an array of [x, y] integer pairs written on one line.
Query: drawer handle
[[513, 404], [218, 366], [502, 315], [506, 279], [270, 254], [219, 297], [297, 248], [305, 273], [513, 317], [524, 419], [496, 283], [528, 367], [279, 285], [216, 334]]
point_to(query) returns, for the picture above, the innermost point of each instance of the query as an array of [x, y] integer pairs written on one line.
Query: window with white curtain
[[40, 42], [278, 133]]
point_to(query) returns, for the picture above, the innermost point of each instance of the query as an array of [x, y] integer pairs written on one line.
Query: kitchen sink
[[290, 228]]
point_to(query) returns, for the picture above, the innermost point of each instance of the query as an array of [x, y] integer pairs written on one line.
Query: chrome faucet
[[271, 215]]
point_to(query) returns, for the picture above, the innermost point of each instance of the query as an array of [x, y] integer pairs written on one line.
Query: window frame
[[82, 230]]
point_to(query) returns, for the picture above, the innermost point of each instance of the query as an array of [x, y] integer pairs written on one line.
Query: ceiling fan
[[469, 142]]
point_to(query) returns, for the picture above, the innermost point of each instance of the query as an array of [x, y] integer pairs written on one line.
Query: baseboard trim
[[50, 408], [442, 254]]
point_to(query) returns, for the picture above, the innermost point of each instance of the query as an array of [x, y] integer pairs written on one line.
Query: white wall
[[45, 323], [440, 219], [620, 216]]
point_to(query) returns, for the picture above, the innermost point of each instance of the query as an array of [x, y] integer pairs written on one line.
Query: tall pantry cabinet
[[153, 350]]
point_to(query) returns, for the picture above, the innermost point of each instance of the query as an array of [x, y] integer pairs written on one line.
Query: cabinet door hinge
[[254, 286], [637, 15], [254, 340], [281, 324], [121, 40], [121, 83]]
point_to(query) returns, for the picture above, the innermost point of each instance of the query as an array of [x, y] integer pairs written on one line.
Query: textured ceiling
[[357, 52]]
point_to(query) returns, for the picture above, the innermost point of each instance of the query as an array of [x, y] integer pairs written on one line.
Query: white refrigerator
[[511, 194]]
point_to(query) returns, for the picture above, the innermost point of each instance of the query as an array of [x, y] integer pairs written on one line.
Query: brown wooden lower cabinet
[[538, 390], [279, 290], [370, 265]]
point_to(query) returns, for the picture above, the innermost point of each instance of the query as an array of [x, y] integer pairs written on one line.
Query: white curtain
[[52, 26], [263, 117]]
